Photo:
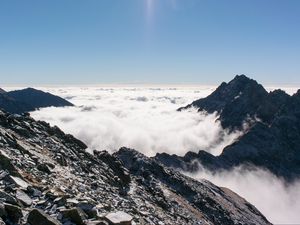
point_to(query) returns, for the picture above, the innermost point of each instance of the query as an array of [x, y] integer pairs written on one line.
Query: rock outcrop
[[47, 177], [29, 99]]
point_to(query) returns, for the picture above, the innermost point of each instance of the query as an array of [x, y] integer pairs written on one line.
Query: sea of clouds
[[145, 118]]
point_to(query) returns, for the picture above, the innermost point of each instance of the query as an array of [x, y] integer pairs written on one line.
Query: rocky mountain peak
[[271, 142], [239, 101], [242, 78]]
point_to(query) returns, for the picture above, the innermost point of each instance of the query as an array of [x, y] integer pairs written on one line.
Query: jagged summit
[[47, 177], [240, 100], [29, 99], [271, 142]]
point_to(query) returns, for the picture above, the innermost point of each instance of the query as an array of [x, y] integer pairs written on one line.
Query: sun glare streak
[[150, 10]]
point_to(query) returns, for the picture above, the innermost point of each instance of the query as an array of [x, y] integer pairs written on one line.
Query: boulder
[[89, 208], [5, 164], [23, 198], [38, 217], [19, 182], [75, 215], [14, 213], [119, 218], [7, 198]]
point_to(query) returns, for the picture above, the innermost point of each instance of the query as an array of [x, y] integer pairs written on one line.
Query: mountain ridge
[[29, 99], [240, 100], [272, 140]]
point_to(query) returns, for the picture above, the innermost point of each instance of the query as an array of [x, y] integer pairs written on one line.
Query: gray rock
[[44, 168], [34, 192], [119, 218], [14, 213], [7, 198], [1, 222], [38, 217], [75, 215], [88, 208], [60, 201], [2, 211], [97, 222], [19, 182], [5, 163], [23, 198]]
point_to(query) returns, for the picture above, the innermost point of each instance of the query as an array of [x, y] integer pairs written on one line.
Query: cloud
[[278, 201], [142, 118]]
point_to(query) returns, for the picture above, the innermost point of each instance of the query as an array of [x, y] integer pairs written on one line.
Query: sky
[[149, 41]]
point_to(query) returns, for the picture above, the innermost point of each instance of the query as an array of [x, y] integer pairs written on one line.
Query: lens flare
[[150, 10]]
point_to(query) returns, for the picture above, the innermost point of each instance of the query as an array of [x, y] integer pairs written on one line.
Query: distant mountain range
[[272, 136], [29, 99]]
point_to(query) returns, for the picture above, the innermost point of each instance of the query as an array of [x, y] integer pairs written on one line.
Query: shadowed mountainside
[[29, 99], [241, 100], [272, 140]]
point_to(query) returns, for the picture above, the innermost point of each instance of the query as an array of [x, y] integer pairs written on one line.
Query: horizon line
[[146, 84]]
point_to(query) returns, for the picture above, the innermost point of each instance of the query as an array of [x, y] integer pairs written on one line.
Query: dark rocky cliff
[[241, 100], [272, 141]]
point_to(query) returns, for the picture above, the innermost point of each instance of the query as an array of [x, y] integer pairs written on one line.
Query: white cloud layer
[[279, 202], [142, 118]]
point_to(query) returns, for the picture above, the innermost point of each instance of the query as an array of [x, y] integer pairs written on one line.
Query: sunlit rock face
[[49, 174]]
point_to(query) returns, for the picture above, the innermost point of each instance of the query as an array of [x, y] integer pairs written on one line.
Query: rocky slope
[[47, 177], [271, 142], [13, 106], [29, 99]]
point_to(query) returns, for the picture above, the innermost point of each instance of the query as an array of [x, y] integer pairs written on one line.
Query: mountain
[[272, 141], [37, 98], [241, 100], [2, 91], [12, 105], [48, 177], [29, 99]]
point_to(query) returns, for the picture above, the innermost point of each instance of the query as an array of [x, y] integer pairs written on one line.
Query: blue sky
[[148, 41]]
